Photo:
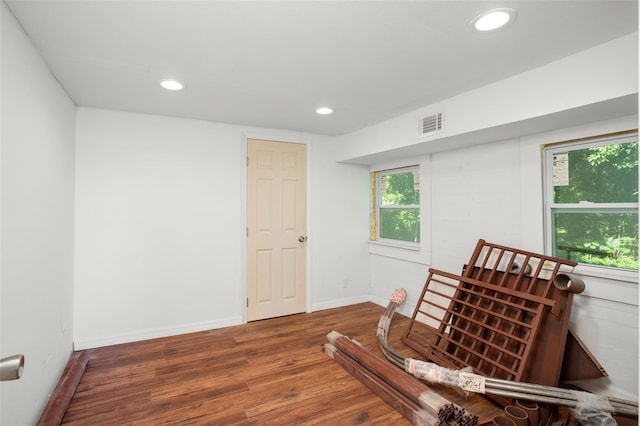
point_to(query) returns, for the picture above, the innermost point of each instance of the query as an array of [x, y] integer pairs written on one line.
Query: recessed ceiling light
[[493, 19], [171, 84], [324, 110]]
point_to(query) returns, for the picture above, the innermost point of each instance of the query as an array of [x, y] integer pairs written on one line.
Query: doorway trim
[[275, 137]]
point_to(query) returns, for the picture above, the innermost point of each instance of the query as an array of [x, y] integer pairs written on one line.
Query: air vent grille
[[430, 124]]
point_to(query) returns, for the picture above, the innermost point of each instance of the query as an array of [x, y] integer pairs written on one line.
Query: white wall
[[157, 220], [159, 225], [339, 219], [485, 181], [36, 298]]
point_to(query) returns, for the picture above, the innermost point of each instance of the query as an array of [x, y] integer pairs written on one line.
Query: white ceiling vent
[[430, 124]]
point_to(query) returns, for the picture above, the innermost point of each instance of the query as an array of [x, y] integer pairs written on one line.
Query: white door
[[276, 229]]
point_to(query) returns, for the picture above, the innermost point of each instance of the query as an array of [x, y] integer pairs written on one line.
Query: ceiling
[[272, 63]]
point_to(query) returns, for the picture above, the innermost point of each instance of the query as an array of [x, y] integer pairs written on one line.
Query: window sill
[[396, 244], [409, 252], [623, 275], [609, 284]]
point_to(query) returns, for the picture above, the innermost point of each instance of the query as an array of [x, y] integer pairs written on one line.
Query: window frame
[[377, 206], [550, 207]]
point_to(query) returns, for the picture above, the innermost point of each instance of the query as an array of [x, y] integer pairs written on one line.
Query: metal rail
[[511, 389]]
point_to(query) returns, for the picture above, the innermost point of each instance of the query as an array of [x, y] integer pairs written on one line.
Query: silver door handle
[[302, 238], [11, 367]]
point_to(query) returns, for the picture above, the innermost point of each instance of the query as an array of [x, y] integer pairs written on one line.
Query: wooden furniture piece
[[507, 317], [485, 326]]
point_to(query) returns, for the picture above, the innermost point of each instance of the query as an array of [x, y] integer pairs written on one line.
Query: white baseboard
[[379, 301], [82, 344], [340, 303]]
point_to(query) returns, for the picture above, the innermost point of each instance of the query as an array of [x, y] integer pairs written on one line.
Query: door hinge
[[247, 302], [247, 231]]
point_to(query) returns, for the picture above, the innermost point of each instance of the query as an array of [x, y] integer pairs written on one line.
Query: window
[[591, 201], [396, 205]]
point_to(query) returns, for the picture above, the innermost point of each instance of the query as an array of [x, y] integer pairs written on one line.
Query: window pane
[[399, 189], [601, 174], [400, 224], [607, 238]]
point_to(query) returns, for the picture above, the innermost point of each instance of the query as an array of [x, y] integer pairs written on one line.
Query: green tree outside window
[[594, 213], [399, 205]]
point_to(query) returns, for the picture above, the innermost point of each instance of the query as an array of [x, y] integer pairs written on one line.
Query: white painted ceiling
[[272, 63]]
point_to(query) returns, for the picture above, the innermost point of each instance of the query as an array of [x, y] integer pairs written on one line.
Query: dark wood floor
[[262, 373]]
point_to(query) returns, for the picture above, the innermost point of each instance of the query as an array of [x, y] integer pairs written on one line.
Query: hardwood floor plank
[[89, 411], [263, 373]]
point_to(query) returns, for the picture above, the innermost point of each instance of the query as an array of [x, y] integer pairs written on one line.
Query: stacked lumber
[[411, 397]]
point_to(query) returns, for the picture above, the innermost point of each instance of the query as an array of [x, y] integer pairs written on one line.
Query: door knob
[[302, 238]]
